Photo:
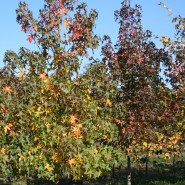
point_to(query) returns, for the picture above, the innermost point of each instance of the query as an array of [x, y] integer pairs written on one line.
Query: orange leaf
[[71, 162], [21, 73], [76, 132], [63, 11], [118, 121], [7, 89], [73, 118], [42, 76], [61, 2], [66, 24], [2, 150], [48, 86]]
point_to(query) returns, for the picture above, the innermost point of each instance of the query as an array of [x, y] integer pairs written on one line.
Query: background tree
[[137, 64]]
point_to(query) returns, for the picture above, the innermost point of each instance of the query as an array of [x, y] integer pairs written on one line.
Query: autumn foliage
[[56, 121]]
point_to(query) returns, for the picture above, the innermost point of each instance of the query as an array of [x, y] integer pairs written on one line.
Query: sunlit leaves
[[73, 118], [136, 63], [48, 167], [42, 76], [21, 73], [56, 120], [168, 9], [30, 38], [7, 89], [66, 24], [71, 162]]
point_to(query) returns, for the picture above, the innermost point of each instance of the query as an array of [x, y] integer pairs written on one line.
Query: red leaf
[[141, 59], [29, 38], [63, 11], [23, 29], [77, 35], [132, 31]]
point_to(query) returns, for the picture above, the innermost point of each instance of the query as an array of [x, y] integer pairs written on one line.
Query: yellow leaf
[[20, 157], [6, 128], [35, 28], [145, 144], [66, 24], [48, 167], [167, 156], [104, 136], [108, 102], [28, 152], [36, 138], [95, 151], [79, 125], [64, 134], [165, 39], [48, 125]]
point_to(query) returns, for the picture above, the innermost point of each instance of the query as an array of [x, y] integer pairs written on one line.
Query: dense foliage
[[56, 122]]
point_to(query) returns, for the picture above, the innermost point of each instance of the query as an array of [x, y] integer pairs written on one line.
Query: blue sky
[[154, 18]]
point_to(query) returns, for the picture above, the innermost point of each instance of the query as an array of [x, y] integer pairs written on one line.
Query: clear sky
[[154, 18]]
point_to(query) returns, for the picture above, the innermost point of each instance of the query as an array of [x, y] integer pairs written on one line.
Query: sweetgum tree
[[51, 125], [56, 122], [151, 106], [175, 74]]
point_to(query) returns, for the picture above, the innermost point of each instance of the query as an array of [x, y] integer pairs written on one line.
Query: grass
[[162, 173], [138, 178]]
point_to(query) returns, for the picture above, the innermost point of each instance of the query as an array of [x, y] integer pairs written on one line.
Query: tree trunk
[[174, 163], [113, 171], [128, 171], [146, 167]]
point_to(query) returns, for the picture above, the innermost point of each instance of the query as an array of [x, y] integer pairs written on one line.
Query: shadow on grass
[[159, 179], [138, 178]]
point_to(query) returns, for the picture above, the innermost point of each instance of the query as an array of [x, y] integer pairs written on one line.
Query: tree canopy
[[56, 121]]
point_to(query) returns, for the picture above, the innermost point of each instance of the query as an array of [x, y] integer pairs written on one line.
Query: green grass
[[138, 178], [161, 174]]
